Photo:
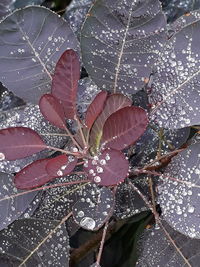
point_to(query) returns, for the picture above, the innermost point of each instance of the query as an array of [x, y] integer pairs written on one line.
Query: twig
[[102, 243]]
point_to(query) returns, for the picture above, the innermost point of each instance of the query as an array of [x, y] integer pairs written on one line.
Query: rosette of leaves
[[111, 125]]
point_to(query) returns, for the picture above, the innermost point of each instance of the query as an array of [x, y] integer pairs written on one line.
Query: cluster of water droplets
[[175, 89], [123, 46], [179, 198]]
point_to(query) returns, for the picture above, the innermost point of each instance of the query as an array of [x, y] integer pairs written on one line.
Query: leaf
[[31, 117], [175, 91], [61, 165], [21, 3], [36, 39], [108, 168], [33, 175], [153, 140], [114, 102], [76, 12], [176, 8], [12, 208], [95, 108], [38, 246], [120, 42], [94, 209], [65, 81], [179, 198], [124, 127], [52, 110], [5, 8], [58, 201], [127, 201], [19, 142], [157, 250]]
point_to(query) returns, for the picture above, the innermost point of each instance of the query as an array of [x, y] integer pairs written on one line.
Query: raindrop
[[2, 156], [88, 223]]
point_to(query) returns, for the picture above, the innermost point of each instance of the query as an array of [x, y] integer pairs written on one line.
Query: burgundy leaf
[[65, 81], [52, 110], [61, 165], [124, 127], [95, 108], [109, 168], [33, 175], [19, 142], [94, 209], [114, 102]]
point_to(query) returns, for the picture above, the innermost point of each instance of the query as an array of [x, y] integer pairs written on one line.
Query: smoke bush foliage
[[116, 150]]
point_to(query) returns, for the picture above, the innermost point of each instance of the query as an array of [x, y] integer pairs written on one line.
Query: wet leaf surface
[[175, 90], [125, 38], [179, 201], [13, 208], [19, 142], [127, 201], [30, 50], [32, 250], [30, 116], [76, 13], [61, 165], [157, 250], [108, 168], [52, 110], [94, 208]]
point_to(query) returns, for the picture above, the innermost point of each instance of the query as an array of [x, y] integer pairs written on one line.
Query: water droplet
[[59, 173], [2, 156], [81, 213], [97, 179], [190, 209], [88, 223]]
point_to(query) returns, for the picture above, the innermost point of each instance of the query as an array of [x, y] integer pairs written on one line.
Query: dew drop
[[2, 156], [88, 223], [190, 209]]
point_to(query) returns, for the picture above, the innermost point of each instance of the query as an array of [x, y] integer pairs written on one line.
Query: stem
[[72, 138], [102, 243], [156, 215], [76, 154], [152, 192], [45, 188], [81, 132]]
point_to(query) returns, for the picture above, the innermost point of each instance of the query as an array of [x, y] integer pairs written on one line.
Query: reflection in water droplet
[[88, 223], [81, 213]]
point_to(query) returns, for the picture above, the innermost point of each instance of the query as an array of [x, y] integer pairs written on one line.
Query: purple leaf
[[124, 127], [95, 108], [27, 69], [65, 82], [12, 208], [19, 142], [33, 175], [120, 41], [61, 165], [35, 242], [52, 110], [114, 102], [94, 209], [109, 168]]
